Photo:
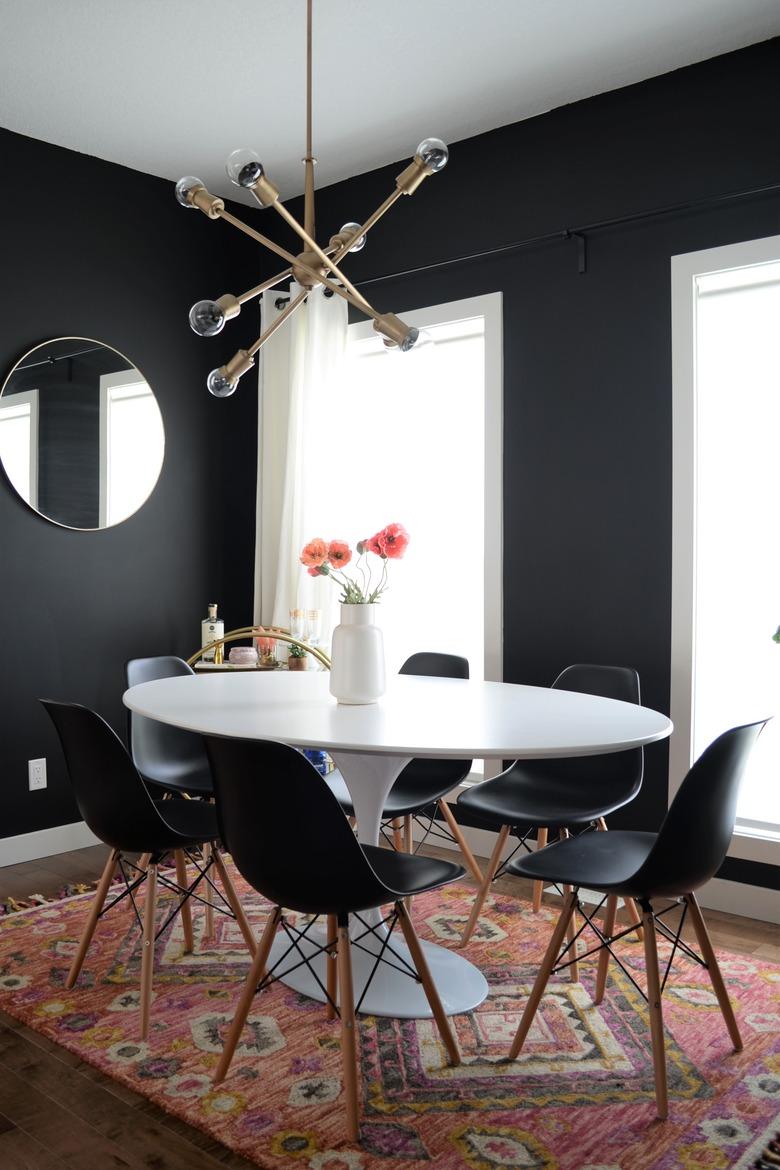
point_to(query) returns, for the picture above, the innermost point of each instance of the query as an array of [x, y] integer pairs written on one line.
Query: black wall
[[95, 250], [587, 387], [587, 358]]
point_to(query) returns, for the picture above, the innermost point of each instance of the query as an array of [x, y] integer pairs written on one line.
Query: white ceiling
[[170, 87]]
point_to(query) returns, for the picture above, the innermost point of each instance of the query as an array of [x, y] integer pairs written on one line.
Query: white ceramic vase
[[357, 671]]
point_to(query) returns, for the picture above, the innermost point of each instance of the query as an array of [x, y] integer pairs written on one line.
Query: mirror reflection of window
[[19, 443], [82, 439], [131, 444]]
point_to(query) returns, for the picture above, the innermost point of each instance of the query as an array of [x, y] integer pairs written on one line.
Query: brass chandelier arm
[[318, 278], [317, 250], [280, 320], [261, 288], [315, 266], [372, 219]]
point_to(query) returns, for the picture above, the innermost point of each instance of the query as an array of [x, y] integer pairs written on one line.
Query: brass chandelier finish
[[314, 266]]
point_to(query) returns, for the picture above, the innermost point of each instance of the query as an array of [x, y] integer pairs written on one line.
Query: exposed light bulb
[[349, 229], [244, 168], [207, 318], [434, 153], [416, 340], [219, 384], [184, 186]]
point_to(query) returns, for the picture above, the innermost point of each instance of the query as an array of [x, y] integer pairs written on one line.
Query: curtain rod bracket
[[582, 252]]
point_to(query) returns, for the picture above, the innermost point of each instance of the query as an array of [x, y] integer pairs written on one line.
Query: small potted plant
[[297, 658]]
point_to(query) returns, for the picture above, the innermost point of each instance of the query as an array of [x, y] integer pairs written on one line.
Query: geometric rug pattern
[[580, 1097]]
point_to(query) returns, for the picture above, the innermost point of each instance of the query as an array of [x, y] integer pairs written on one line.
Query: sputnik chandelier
[[313, 266]]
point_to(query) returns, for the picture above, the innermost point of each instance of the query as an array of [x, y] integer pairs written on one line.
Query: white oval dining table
[[371, 744]]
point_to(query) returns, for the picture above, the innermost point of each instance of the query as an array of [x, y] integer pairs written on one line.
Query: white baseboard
[[718, 894], [45, 843], [739, 898]]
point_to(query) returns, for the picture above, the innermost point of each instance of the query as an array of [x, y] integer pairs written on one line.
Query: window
[[726, 588], [416, 438], [131, 444], [19, 443]]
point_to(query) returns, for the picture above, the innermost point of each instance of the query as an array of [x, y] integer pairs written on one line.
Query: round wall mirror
[[81, 434]]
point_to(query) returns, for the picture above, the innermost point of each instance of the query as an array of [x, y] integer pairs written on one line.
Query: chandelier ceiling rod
[[314, 266], [309, 161]]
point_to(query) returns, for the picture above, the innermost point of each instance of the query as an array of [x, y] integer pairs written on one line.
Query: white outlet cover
[[36, 772]]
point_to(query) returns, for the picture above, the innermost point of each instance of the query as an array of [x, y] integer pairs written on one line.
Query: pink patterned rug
[[580, 1097]]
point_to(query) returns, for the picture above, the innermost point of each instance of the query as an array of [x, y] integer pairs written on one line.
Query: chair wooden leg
[[429, 987], [147, 947], [574, 967], [94, 913], [633, 913], [609, 926], [208, 930], [349, 1047], [541, 842], [718, 986], [233, 899], [548, 962], [143, 861], [248, 994], [463, 845], [398, 840], [482, 892], [656, 1014], [331, 965], [186, 912]]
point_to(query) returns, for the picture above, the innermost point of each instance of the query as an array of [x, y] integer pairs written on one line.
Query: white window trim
[[490, 307], [747, 844], [30, 397], [131, 377]]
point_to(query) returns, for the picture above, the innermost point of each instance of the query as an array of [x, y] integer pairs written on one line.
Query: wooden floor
[[56, 1111]]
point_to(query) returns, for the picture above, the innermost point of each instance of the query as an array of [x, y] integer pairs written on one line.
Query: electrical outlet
[[36, 772]]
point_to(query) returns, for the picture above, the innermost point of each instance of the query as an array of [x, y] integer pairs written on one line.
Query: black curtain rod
[[579, 233]]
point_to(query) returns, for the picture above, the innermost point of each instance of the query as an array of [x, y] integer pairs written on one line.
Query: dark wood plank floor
[[57, 1112]]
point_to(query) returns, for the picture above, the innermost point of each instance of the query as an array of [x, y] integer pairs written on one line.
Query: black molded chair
[[166, 756], [322, 871], [422, 786], [670, 864], [564, 793], [116, 805]]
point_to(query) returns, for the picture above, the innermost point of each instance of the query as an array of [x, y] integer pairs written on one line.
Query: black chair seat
[[671, 864], [291, 841], [600, 861], [190, 821], [546, 792], [119, 809], [422, 782], [179, 778], [166, 756], [409, 873]]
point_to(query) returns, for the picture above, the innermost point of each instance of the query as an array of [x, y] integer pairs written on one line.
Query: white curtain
[[300, 368]]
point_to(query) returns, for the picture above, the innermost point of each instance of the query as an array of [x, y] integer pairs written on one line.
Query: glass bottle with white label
[[211, 628]]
